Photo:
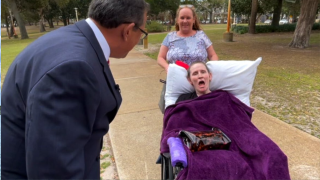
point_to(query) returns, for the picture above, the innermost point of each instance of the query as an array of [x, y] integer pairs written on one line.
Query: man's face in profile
[[135, 36]]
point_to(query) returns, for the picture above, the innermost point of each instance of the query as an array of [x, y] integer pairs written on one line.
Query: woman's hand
[[212, 56]]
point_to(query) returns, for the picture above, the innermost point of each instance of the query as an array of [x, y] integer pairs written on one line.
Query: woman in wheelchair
[[251, 154]]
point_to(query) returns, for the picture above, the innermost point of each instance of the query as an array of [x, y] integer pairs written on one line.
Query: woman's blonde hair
[[196, 25]]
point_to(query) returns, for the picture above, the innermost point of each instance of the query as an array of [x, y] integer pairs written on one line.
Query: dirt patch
[[151, 48], [108, 169]]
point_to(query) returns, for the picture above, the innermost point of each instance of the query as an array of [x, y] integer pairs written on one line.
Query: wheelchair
[[168, 172]]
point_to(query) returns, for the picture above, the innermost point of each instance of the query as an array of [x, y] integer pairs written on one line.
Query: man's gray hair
[[112, 13]]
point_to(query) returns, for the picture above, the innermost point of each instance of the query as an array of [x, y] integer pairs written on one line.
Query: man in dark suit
[[59, 95]]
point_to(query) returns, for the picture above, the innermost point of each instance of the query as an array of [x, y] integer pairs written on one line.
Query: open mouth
[[201, 83]]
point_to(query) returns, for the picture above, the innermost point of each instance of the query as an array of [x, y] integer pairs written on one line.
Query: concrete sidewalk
[[136, 131]]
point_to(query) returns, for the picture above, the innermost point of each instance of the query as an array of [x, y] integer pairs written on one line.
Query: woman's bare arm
[[162, 57]]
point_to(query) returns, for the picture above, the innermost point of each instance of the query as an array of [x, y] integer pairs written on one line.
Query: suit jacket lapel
[[87, 31]]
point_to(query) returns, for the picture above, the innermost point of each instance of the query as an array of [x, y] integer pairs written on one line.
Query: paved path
[[135, 133]]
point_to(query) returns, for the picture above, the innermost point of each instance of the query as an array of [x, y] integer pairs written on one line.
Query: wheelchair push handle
[[163, 81]]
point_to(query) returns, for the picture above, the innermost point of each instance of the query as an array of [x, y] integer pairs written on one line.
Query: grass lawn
[[287, 84], [10, 48]]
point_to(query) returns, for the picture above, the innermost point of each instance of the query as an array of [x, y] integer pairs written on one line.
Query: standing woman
[[188, 43]]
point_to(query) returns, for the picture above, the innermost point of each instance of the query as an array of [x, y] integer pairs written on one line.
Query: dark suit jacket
[[58, 99]]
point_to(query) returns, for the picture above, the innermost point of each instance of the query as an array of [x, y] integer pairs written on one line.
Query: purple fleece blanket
[[252, 155]]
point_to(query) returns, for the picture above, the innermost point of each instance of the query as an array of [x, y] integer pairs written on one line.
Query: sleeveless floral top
[[187, 49]]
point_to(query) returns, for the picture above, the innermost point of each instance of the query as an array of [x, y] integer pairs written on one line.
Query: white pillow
[[236, 77]]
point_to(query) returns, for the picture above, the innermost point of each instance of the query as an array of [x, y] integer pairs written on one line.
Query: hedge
[[269, 28], [155, 27]]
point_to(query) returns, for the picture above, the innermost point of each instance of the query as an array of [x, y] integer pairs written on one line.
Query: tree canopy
[[39, 11]]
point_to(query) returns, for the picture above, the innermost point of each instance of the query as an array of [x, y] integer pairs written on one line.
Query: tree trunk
[[23, 31], [173, 15], [11, 30], [254, 10], [276, 14], [50, 22], [64, 18], [7, 24], [41, 23], [306, 20], [257, 19], [65, 21]]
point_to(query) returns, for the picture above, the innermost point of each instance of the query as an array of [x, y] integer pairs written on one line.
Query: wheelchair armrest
[[166, 155]]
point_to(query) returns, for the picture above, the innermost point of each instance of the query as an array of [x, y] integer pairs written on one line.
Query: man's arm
[[60, 115]]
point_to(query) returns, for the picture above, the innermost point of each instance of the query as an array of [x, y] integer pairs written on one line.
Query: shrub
[[265, 29], [240, 29], [155, 27], [316, 26], [269, 28], [286, 28]]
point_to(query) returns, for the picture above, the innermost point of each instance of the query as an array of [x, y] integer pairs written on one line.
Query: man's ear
[[210, 77], [128, 28]]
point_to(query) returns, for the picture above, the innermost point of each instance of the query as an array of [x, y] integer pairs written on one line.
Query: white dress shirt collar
[[102, 41]]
